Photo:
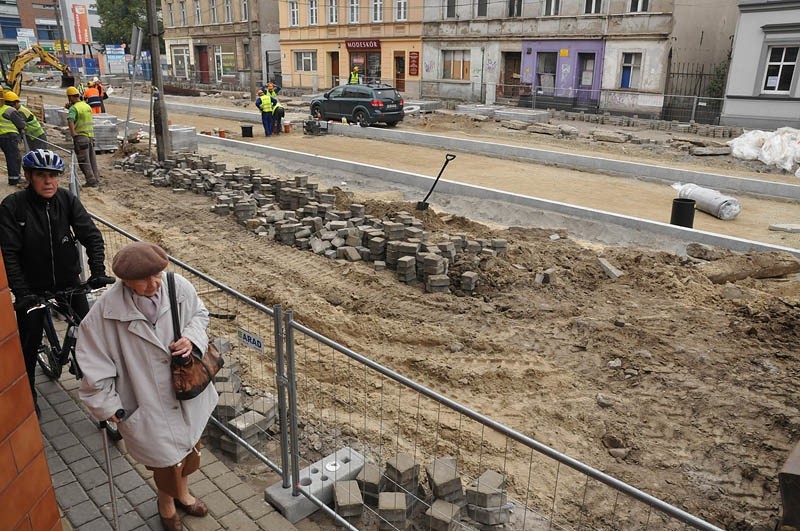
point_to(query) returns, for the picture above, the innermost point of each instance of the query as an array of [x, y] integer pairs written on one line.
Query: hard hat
[[10, 96], [72, 91], [96, 80], [260, 92], [90, 84], [355, 69], [270, 86]]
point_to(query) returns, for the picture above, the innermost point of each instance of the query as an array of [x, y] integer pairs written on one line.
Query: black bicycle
[[53, 354]]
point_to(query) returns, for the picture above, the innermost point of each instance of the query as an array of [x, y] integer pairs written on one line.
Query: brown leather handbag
[[190, 374]]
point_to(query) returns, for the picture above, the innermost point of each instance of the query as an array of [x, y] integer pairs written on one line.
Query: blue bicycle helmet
[[43, 159]]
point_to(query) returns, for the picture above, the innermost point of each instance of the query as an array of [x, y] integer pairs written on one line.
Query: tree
[[117, 17]]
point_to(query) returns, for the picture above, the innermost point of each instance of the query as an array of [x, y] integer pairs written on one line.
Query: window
[[455, 64], [225, 62], [550, 8], [180, 62], [377, 10], [305, 61], [198, 14], [482, 7], [546, 63], [245, 10], [333, 11], [401, 10], [213, 10], [170, 15], [9, 26], [639, 6], [94, 30], [228, 12], [313, 10], [182, 12], [352, 11], [781, 64], [592, 7], [294, 13], [47, 32], [631, 70], [451, 9], [514, 8], [246, 50]]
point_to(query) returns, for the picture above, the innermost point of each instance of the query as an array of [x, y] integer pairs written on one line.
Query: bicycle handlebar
[[50, 297]]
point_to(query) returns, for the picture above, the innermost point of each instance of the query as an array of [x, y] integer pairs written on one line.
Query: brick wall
[[27, 499]]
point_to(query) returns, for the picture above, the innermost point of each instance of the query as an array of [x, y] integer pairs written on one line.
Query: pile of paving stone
[[397, 494], [716, 131], [295, 212]]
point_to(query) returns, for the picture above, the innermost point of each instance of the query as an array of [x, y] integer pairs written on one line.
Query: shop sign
[[413, 63], [81, 20], [363, 44]]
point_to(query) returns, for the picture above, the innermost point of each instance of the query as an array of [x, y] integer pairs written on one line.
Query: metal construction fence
[[329, 397]]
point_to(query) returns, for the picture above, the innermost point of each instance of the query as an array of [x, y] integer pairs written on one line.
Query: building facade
[[763, 89], [213, 41], [323, 40], [584, 53]]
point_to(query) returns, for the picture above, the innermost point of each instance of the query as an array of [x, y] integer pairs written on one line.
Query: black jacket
[[38, 240]]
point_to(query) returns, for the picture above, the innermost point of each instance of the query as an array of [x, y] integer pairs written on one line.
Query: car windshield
[[387, 94]]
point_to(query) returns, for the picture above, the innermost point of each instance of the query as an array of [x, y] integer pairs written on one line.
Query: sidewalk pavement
[[74, 448]]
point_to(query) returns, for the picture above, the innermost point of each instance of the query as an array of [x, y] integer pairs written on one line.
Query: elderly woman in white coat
[[124, 349]]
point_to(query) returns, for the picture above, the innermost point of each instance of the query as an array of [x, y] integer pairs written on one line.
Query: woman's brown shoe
[[198, 508], [172, 523]]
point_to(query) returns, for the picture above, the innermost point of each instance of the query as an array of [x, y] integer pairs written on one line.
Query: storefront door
[[335, 69], [512, 67], [585, 81], [202, 63], [400, 71]]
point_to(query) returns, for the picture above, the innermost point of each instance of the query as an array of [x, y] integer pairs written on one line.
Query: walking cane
[[423, 205], [102, 426]]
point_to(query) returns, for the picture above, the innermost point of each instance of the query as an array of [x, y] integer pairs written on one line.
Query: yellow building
[[323, 40]]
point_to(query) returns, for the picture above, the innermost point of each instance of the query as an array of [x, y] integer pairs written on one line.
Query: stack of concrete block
[[392, 511], [499, 246], [443, 516], [406, 269], [437, 284], [394, 231], [402, 475], [370, 481], [445, 480], [377, 248], [487, 502], [347, 500], [469, 281]]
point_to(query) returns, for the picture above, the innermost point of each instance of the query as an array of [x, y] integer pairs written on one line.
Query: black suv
[[361, 104]]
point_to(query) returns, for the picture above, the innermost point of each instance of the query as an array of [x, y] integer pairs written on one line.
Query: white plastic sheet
[[779, 148], [710, 201]]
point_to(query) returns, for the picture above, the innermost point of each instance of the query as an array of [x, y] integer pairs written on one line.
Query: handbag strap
[[173, 304]]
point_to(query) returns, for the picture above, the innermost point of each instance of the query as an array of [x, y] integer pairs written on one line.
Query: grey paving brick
[[203, 488], [57, 397], [154, 523], [62, 478], [82, 465], [119, 466], [274, 521], [256, 507], [128, 481], [100, 495], [98, 524], [48, 387], [69, 382], [48, 415], [65, 440], [207, 457], [65, 408], [70, 495], [92, 478], [238, 520], [226, 481], [197, 477], [73, 418], [83, 513], [83, 428], [215, 469], [130, 521], [142, 470], [147, 509], [192, 523], [219, 504], [74, 454], [140, 495], [55, 463], [54, 428], [94, 443], [123, 506], [240, 492]]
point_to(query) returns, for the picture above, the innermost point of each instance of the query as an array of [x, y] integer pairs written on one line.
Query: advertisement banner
[[413, 63], [81, 24], [25, 38]]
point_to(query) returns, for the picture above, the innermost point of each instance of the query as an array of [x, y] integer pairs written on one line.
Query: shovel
[[102, 426], [423, 205]]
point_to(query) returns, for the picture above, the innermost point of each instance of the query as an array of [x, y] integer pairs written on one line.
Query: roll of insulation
[[711, 201]]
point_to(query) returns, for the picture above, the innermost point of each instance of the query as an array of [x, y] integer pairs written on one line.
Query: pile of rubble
[[293, 211]]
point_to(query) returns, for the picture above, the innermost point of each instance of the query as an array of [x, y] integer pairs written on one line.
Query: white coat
[[126, 365]]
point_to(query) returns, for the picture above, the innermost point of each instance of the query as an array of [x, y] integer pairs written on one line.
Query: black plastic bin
[[247, 131], [682, 212]]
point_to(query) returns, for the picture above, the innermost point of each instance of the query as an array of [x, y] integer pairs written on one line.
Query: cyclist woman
[[40, 227]]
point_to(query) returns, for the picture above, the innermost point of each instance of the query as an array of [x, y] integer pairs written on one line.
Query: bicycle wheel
[[49, 362]]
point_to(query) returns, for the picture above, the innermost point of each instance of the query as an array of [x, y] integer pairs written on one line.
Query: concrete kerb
[[423, 183], [541, 156]]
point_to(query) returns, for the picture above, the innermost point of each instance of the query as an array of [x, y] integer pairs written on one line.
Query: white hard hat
[[96, 79]]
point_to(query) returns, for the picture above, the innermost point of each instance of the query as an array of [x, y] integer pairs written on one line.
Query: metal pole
[[280, 384], [150, 128], [163, 147], [61, 34], [250, 53], [694, 107], [137, 45], [292, 376]]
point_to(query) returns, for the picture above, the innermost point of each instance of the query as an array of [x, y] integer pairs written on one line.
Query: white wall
[[655, 57]]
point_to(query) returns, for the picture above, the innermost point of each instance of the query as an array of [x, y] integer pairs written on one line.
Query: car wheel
[[391, 124], [360, 117], [317, 110]]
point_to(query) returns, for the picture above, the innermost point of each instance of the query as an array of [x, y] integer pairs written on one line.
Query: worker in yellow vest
[[265, 102], [12, 126], [354, 78], [278, 113], [34, 131], [81, 128]]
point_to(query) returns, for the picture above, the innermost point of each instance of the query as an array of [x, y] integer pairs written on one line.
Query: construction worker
[[12, 126], [354, 78], [92, 96], [79, 120], [278, 113], [103, 94], [265, 102], [272, 90], [34, 131]]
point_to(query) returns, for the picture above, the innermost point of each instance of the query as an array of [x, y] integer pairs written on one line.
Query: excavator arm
[[14, 72]]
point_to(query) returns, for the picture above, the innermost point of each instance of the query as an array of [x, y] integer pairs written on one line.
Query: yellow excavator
[[13, 74]]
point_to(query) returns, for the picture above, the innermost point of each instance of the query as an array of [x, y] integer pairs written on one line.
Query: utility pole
[[160, 122], [250, 47], [61, 34]]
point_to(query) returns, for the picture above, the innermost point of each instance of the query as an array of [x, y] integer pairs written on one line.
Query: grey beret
[[139, 260]]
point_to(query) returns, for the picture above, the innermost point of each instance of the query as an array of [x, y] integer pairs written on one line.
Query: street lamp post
[[250, 43]]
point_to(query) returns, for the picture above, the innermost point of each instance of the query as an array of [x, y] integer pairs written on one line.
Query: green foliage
[[716, 87], [117, 17]]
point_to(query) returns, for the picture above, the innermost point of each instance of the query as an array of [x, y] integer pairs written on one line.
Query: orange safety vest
[[92, 97]]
